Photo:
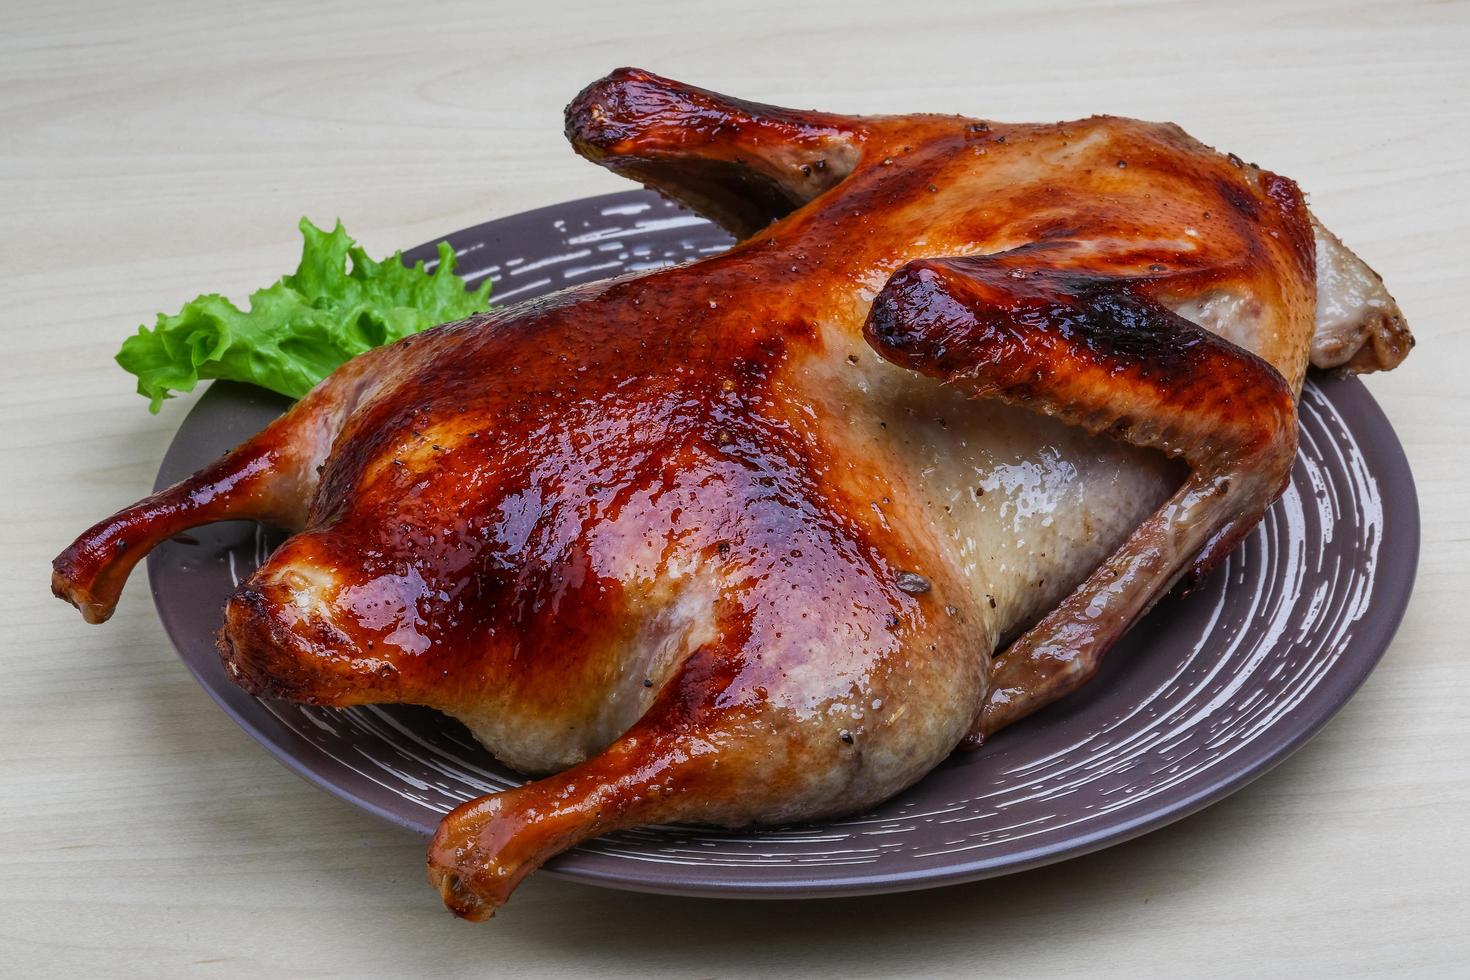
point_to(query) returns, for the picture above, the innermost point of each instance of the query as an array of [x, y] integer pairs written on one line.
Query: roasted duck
[[763, 538]]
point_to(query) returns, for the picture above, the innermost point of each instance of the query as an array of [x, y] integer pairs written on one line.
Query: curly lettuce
[[304, 327]]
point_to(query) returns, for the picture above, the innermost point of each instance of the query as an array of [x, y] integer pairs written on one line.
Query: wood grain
[[151, 150]]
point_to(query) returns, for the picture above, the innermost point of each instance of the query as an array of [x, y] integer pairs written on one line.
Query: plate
[[1204, 695]]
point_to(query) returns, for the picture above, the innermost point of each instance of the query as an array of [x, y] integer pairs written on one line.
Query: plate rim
[[1393, 587]]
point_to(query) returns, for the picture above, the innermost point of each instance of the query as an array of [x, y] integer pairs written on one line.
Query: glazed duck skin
[[762, 538]]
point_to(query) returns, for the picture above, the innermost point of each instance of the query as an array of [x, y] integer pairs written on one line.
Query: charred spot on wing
[[1123, 331], [897, 322], [1238, 197]]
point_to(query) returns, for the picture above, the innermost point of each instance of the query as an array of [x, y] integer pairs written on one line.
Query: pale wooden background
[[152, 150]]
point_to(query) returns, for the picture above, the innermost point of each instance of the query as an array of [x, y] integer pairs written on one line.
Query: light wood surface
[[149, 151]]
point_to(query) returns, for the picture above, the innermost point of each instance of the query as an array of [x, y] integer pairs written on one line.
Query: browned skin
[[672, 537]]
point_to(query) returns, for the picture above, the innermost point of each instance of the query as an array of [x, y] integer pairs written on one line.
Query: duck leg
[[270, 477], [681, 761], [798, 708], [1097, 350], [484, 848]]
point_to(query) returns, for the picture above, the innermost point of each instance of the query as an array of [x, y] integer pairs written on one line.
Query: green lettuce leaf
[[305, 326]]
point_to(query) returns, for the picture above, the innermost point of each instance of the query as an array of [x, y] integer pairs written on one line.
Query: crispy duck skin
[[763, 538]]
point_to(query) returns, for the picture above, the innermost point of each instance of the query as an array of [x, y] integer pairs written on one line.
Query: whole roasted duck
[[763, 538]]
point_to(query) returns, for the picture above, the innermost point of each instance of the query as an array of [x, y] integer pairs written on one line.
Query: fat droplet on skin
[[912, 582]]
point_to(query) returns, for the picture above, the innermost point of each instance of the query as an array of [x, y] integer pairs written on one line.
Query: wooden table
[[152, 150]]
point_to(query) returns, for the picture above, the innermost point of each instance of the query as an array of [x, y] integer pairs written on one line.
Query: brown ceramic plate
[[1203, 696]]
